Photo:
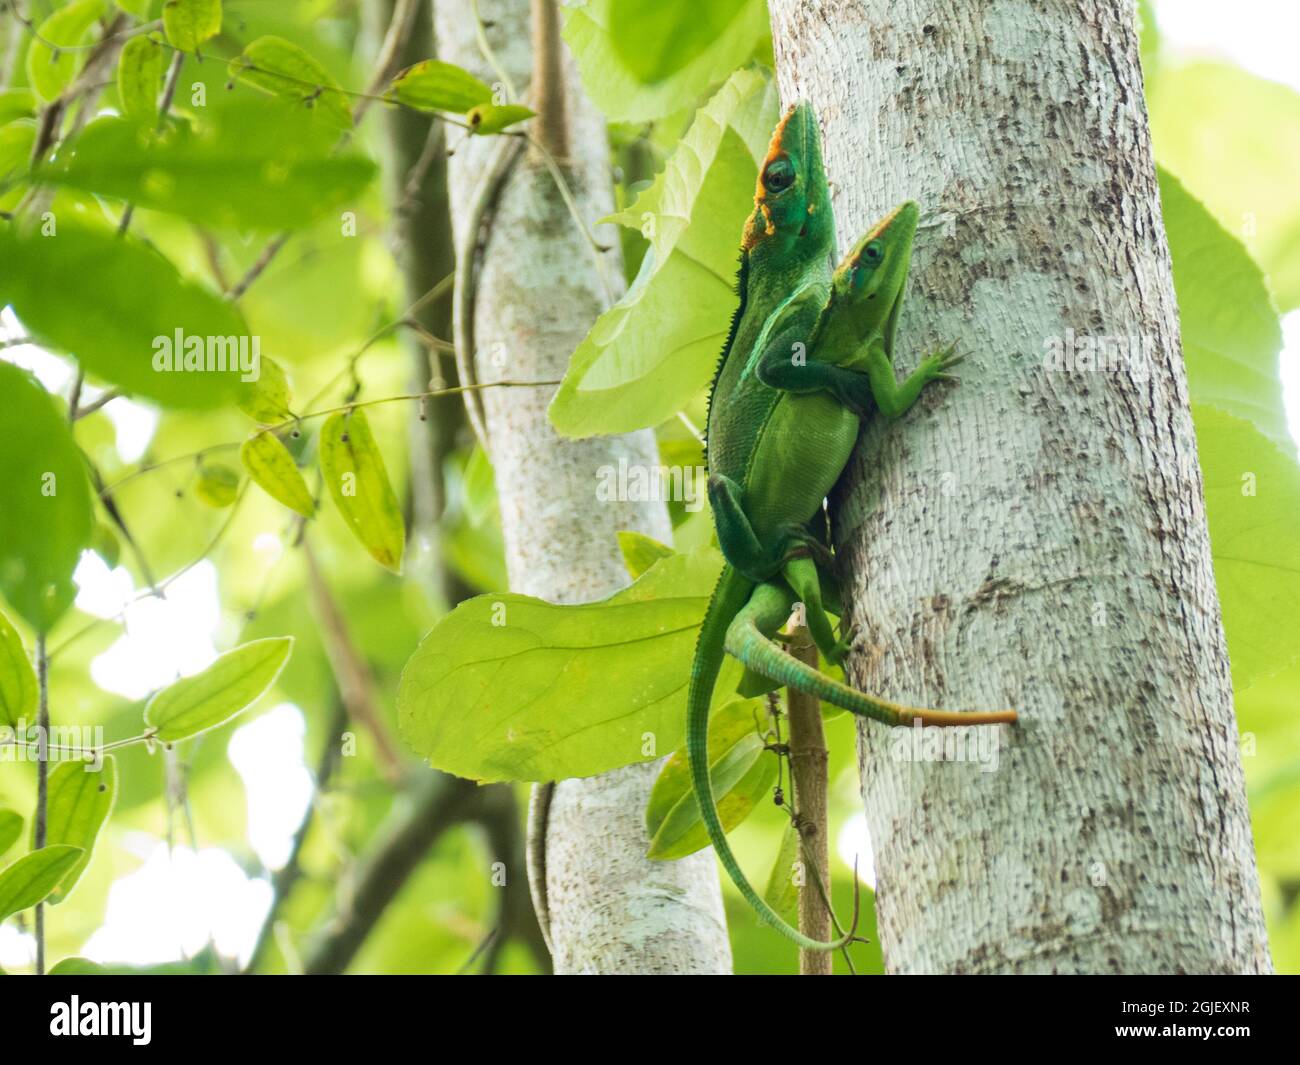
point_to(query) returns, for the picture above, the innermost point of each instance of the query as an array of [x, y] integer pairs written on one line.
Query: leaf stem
[[42, 782]]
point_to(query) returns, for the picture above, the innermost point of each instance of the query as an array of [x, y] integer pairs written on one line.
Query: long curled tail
[[729, 599], [765, 610]]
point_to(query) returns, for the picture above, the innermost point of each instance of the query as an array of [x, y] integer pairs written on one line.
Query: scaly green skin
[[786, 407]]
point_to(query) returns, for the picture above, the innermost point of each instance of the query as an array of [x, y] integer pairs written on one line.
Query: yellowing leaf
[[139, 78], [235, 681], [782, 891], [493, 118], [33, 876], [269, 463], [266, 399], [188, 23], [17, 678], [358, 482], [437, 86], [280, 67], [79, 803]]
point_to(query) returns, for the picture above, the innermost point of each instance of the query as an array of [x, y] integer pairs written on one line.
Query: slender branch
[[438, 803], [76, 413], [164, 106], [390, 52], [809, 766], [42, 782]]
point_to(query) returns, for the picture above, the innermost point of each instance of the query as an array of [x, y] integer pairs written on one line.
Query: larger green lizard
[[783, 417]]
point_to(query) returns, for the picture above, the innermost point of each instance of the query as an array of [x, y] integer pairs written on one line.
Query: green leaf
[[17, 103], [75, 966], [33, 876], [1231, 335], [188, 23], [640, 552], [507, 687], [79, 803], [140, 77], [281, 68], [11, 827], [354, 470], [18, 692], [235, 681], [51, 70], [480, 495], [653, 351], [437, 86], [254, 164], [217, 485], [130, 304], [657, 38], [782, 890], [493, 118], [1252, 497], [271, 466], [266, 398], [1216, 126], [45, 521], [17, 140], [741, 777], [617, 89]]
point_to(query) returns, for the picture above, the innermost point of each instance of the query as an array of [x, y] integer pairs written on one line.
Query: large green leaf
[[17, 678], [80, 800], [1252, 499], [45, 519], [648, 355], [687, 71], [741, 771], [282, 68], [657, 38], [1231, 334], [354, 471], [118, 306], [782, 890], [235, 681], [507, 687], [50, 70], [33, 876], [253, 165], [1219, 129], [188, 23]]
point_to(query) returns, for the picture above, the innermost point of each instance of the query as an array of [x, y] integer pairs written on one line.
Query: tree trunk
[[538, 291], [1031, 538]]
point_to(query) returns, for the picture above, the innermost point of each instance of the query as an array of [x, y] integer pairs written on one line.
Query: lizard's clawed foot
[[937, 365], [835, 656]]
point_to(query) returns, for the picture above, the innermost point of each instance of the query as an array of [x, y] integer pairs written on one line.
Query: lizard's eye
[[778, 176], [873, 253]]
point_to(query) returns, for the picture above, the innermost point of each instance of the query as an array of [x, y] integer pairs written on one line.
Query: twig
[[271, 250], [809, 765], [101, 401], [42, 782], [438, 803], [399, 29], [164, 106]]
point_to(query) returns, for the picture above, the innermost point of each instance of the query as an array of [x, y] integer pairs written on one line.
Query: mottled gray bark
[[538, 291], [1031, 537]]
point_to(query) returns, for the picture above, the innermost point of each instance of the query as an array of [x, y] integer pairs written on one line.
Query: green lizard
[[783, 417]]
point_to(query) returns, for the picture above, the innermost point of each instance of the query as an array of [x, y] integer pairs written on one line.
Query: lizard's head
[[868, 285], [792, 203]]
